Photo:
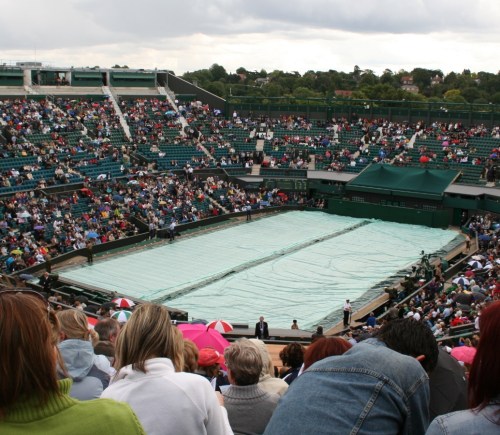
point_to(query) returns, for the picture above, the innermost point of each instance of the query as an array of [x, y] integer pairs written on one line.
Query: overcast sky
[[293, 35]]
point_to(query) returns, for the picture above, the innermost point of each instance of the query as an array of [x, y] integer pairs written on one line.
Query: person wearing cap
[[209, 362]]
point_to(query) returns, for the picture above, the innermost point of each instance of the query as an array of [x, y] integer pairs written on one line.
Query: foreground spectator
[[484, 385], [249, 408], [323, 348], [292, 356], [90, 372], [32, 400], [379, 386], [149, 362], [108, 330], [267, 381]]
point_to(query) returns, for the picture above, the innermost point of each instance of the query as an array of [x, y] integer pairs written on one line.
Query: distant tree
[[454, 96], [218, 72], [303, 92], [495, 98]]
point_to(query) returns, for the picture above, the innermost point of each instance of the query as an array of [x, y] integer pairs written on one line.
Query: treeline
[[465, 87]]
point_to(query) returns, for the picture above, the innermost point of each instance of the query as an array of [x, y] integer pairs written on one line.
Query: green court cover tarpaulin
[[406, 181]]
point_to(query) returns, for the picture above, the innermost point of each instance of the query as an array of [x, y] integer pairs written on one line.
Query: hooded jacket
[[89, 373]]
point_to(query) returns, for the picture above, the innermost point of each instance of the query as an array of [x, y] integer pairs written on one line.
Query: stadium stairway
[[163, 91], [255, 169], [107, 91]]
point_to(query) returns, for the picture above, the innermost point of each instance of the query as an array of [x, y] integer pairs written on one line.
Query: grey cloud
[[86, 23]]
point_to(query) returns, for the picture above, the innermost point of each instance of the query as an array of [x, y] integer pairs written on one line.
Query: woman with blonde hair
[[32, 399], [90, 372], [267, 381], [148, 360]]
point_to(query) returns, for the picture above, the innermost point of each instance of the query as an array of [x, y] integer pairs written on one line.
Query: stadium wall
[[432, 218]]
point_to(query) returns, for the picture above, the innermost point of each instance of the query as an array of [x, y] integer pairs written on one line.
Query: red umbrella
[[123, 303], [465, 354], [220, 325], [424, 159], [203, 336], [92, 321]]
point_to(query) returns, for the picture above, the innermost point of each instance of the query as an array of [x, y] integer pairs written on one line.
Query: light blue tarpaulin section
[[295, 265]]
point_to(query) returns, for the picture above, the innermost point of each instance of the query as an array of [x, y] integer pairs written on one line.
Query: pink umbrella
[[123, 302], [203, 336], [465, 354], [220, 325]]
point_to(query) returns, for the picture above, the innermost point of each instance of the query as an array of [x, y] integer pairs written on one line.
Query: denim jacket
[[371, 389], [467, 422]]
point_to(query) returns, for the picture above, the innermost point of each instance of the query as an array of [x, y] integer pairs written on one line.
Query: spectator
[[379, 386], [108, 330], [32, 400], [249, 408], [90, 372], [267, 381], [292, 356], [190, 357], [209, 362], [149, 378], [484, 385], [323, 348]]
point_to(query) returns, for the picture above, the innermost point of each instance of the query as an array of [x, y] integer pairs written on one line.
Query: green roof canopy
[[133, 75], [406, 181], [87, 75], [11, 73]]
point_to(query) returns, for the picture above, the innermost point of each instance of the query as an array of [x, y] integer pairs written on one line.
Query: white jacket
[[167, 402]]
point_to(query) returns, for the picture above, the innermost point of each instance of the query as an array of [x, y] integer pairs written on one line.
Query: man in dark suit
[[261, 329]]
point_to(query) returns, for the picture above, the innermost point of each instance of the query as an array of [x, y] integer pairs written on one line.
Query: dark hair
[[107, 328], [413, 338], [28, 349], [323, 348], [484, 376], [292, 355]]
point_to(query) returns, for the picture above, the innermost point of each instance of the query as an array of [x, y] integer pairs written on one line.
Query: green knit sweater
[[63, 415]]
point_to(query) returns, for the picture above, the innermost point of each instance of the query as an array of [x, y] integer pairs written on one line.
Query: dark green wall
[[437, 218]]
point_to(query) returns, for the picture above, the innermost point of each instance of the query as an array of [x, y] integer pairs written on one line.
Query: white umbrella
[[475, 264], [220, 325], [462, 280]]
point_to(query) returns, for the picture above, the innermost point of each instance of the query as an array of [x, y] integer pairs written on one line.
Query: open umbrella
[[462, 280], [484, 237], [92, 235], [203, 336], [123, 302], [121, 316], [478, 257], [91, 321], [475, 264], [465, 354], [220, 325], [39, 227], [16, 252], [448, 385], [24, 214]]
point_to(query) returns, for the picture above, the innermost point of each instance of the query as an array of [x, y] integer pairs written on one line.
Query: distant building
[[407, 85], [436, 80], [262, 81]]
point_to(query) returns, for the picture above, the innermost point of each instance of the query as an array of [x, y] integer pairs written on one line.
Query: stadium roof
[[397, 181]]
